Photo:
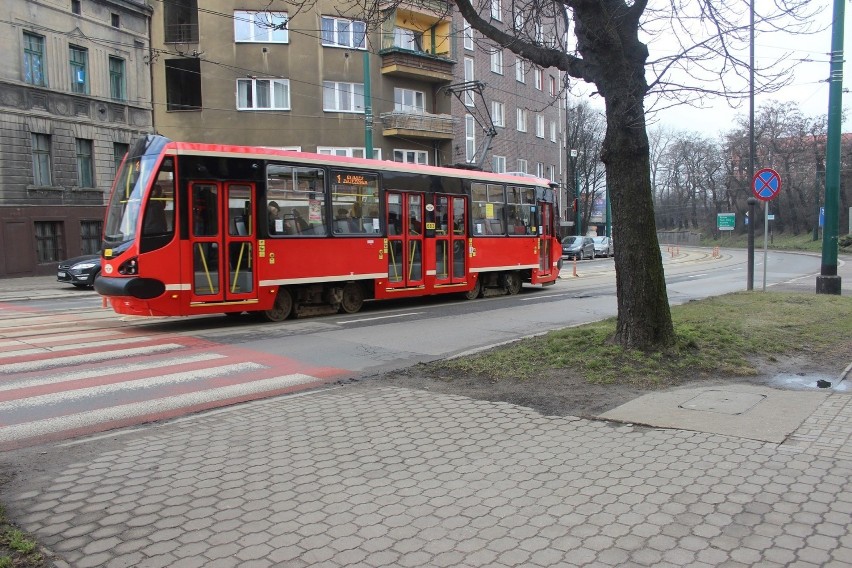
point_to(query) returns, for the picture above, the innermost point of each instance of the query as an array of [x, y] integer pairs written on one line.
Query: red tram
[[205, 228]]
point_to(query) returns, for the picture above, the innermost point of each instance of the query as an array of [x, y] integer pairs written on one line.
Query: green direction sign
[[726, 221]]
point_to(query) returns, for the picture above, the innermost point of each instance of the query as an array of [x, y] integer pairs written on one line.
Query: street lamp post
[[574, 154]]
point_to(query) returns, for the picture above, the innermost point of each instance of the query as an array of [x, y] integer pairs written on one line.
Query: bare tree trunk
[[644, 317]]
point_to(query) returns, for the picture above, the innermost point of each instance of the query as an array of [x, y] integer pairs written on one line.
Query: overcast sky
[[809, 89]]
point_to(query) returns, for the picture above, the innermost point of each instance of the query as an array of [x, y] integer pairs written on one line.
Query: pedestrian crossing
[[64, 379]]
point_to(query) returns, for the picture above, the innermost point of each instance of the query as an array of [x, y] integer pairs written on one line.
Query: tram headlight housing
[[129, 267]]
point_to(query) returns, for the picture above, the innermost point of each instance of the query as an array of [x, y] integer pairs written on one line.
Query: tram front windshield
[[125, 205]]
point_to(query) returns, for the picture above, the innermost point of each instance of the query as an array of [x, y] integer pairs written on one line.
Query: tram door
[[545, 265], [450, 239], [405, 239], [222, 237]]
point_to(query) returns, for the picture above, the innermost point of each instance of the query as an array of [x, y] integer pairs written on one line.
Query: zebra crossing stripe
[[84, 420], [67, 361]]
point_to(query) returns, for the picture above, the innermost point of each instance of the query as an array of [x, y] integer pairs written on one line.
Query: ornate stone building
[[74, 91]]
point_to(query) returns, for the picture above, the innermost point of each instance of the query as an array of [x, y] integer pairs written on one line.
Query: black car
[[80, 271]]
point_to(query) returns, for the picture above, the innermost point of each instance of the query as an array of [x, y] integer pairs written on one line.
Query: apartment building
[[317, 80], [74, 91]]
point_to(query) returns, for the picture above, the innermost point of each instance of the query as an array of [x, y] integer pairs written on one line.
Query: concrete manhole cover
[[723, 402]]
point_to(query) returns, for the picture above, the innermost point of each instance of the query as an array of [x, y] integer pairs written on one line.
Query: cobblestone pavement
[[374, 475]]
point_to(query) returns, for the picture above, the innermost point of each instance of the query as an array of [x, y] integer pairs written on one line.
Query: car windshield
[[599, 240], [569, 240]]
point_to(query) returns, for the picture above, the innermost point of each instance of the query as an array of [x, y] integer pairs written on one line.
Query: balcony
[[418, 125], [419, 65]]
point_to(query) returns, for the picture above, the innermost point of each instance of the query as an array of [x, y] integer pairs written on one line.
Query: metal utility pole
[[574, 154], [828, 282], [368, 110]]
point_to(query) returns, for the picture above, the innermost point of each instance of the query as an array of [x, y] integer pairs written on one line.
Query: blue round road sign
[[766, 184]]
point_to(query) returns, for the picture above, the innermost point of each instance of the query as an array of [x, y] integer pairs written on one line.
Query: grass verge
[[725, 336], [17, 549]]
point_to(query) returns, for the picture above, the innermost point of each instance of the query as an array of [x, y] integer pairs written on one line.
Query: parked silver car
[[603, 246], [578, 247]]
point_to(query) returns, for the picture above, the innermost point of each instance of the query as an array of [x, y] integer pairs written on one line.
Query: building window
[[180, 19], [551, 172], [499, 164], [522, 120], [519, 19], [41, 160], [539, 79], [496, 12], [90, 236], [116, 79], [406, 100], [539, 126], [85, 163], [498, 114], [467, 33], [118, 152], [348, 152], [404, 38], [263, 94], [342, 97], [553, 131], [261, 27], [521, 70], [48, 235], [183, 84], [411, 156], [539, 169], [34, 59], [468, 77], [79, 60], [469, 138], [115, 20], [497, 61], [75, 7], [522, 166], [553, 90], [337, 32]]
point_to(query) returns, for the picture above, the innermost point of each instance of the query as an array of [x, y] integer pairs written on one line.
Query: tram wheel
[[513, 283], [475, 292], [353, 298], [282, 307]]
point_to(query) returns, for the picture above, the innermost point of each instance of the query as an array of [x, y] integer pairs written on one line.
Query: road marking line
[[379, 318]]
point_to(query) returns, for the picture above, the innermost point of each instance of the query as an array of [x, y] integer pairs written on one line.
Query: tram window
[[487, 203], [521, 210], [299, 197], [355, 202], [160, 208]]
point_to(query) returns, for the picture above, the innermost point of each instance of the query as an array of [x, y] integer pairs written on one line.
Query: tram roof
[[268, 153]]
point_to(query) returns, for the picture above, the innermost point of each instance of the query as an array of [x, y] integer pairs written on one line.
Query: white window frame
[[469, 138], [274, 84], [497, 61], [467, 34], [522, 165], [261, 27], [553, 89], [551, 172], [498, 114], [336, 25], [405, 38], [352, 89], [539, 169], [538, 74], [496, 10], [521, 122], [553, 131], [520, 70], [420, 157], [408, 101], [468, 77], [519, 20], [499, 164], [539, 126], [348, 152]]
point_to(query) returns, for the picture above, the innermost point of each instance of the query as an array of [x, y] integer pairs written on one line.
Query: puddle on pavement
[[807, 382]]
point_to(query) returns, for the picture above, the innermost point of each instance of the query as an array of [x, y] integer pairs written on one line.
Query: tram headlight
[[129, 267]]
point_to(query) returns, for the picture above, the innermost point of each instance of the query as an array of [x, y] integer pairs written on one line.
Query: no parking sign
[[766, 184]]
